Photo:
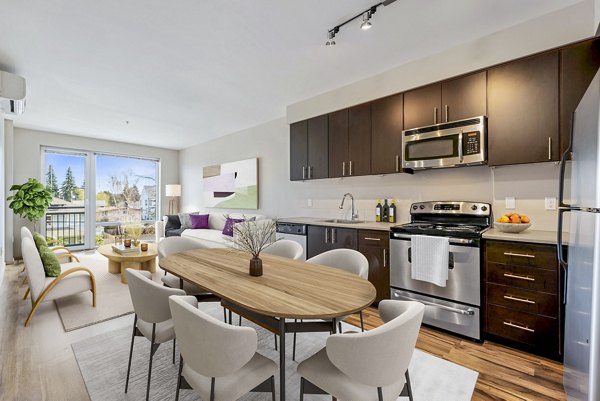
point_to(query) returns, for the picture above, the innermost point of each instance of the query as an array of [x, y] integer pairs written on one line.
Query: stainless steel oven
[[457, 143]]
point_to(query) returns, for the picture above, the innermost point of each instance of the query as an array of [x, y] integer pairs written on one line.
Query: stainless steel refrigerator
[[582, 269]]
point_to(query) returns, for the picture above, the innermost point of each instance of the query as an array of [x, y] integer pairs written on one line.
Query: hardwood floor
[[504, 373], [37, 362]]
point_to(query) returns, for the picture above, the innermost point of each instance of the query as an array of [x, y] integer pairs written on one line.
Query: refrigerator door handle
[[561, 179]]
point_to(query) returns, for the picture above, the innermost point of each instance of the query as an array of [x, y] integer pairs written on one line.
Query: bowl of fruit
[[513, 223]]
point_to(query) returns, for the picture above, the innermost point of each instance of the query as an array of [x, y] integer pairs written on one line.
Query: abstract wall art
[[231, 185]]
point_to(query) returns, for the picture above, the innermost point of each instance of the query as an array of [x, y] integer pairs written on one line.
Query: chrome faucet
[[354, 214]]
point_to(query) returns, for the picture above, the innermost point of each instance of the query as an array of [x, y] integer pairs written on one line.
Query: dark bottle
[[392, 211], [385, 213], [378, 211]]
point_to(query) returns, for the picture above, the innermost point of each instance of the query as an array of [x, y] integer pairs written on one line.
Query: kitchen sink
[[342, 221]]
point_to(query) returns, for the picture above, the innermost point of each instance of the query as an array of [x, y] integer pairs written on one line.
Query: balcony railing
[[66, 225]]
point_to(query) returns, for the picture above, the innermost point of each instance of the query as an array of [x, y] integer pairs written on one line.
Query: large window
[[97, 196]]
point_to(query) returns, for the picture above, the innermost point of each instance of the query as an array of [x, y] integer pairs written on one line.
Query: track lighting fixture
[[366, 22]]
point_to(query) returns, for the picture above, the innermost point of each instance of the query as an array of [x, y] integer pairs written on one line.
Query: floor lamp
[[173, 191]]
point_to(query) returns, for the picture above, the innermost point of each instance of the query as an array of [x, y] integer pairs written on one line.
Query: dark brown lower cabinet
[[375, 245], [523, 306], [322, 239]]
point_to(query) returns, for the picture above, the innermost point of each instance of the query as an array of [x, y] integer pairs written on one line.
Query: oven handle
[[468, 312], [455, 241], [450, 258]]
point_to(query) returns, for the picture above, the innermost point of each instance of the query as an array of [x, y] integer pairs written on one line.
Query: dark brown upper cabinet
[[350, 141], [451, 100], [523, 111], [387, 123], [578, 65], [309, 149], [464, 97]]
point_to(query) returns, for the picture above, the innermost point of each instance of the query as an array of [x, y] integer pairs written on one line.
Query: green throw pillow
[[39, 240], [50, 262]]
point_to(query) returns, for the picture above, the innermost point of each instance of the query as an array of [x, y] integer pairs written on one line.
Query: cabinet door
[[343, 238], [464, 97], [578, 66], [375, 245], [359, 134], [422, 106], [338, 143], [298, 150], [387, 123], [315, 241], [318, 149], [523, 111]]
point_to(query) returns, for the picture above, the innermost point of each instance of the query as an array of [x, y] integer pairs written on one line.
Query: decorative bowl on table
[[513, 228]]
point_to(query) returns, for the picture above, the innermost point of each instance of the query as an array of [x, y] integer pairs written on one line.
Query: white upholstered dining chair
[[171, 245], [73, 279], [348, 260], [152, 318], [368, 366], [219, 361], [285, 248]]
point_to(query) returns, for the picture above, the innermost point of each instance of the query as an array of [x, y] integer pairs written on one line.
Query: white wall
[[279, 197], [2, 194], [27, 160], [7, 155], [551, 30]]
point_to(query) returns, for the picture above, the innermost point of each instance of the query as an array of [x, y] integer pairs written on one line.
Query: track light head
[[330, 36], [366, 24]]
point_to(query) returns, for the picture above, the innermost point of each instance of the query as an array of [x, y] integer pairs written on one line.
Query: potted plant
[[30, 200], [134, 231], [252, 237]]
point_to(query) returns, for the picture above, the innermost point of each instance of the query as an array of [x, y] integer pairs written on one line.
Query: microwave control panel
[[471, 143]]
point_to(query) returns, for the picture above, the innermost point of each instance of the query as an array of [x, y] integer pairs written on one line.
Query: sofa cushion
[[50, 261], [216, 221], [199, 221], [228, 229], [209, 238], [39, 240], [185, 219], [174, 233], [173, 222]]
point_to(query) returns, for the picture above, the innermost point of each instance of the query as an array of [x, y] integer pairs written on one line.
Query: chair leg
[[408, 386], [340, 327], [294, 347], [150, 362], [275, 336], [230, 317], [179, 378], [224, 315], [362, 324], [26, 293], [212, 389], [240, 321], [174, 340], [273, 387], [302, 389], [130, 353], [379, 394]]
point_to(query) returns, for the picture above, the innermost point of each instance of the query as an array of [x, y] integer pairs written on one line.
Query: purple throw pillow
[[199, 220], [228, 229]]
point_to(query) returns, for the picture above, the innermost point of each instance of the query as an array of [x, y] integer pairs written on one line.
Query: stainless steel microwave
[[452, 144]]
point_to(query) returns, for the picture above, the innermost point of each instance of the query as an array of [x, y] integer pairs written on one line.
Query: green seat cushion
[[50, 262], [39, 240]]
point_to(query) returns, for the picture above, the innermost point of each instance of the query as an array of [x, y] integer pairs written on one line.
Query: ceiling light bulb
[[366, 24]]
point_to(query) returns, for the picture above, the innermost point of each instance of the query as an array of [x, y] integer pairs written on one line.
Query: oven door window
[[432, 148]]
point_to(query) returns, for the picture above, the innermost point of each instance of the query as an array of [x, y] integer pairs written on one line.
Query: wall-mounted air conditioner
[[12, 93]]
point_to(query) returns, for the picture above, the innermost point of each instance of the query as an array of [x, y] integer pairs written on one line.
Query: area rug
[[112, 297], [103, 364]]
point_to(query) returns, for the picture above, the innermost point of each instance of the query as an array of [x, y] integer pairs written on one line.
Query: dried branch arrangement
[[253, 236]]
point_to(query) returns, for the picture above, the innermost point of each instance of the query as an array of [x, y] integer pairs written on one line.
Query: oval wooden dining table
[[288, 289]]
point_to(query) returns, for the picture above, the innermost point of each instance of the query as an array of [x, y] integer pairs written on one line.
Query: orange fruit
[[504, 219], [525, 219], [515, 219]]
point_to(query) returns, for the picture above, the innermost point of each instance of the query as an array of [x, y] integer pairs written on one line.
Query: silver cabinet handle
[[327, 235], [309, 172], [372, 239], [518, 299], [469, 311], [397, 163], [519, 255], [549, 148], [446, 111], [350, 167], [343, 169], [518, 326], [384, 257], [303, 172], [333, 235], [435, 115], [519, 277]]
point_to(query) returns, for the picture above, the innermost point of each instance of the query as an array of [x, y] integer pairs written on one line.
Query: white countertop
[[533, 236], [320, 221]]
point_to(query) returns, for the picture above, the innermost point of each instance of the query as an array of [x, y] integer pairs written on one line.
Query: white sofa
[[213, 236]]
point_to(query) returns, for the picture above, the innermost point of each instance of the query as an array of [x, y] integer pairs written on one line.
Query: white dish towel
[[429, 259]]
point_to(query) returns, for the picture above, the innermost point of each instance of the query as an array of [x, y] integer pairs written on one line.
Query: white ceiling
[[182, 72]]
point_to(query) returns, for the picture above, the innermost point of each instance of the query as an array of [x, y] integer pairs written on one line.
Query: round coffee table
[[118, 263]]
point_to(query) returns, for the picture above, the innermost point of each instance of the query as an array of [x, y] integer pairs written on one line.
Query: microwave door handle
[[460, 147]]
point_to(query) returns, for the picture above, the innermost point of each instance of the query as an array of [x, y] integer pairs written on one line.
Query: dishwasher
[[294, 232]]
